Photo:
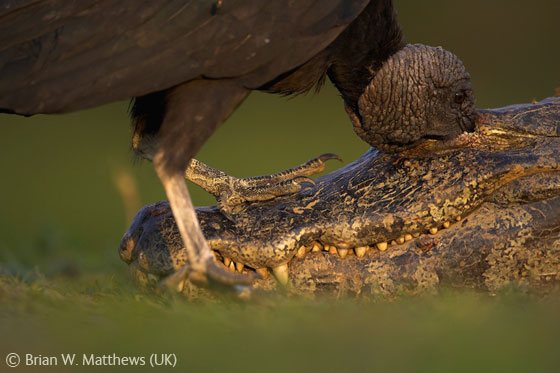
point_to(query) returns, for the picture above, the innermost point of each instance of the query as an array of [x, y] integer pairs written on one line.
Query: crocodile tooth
[[416, 235], [301, 252], [331, 249], [281, 274], [239, 266], [361, 251], [382, 246], [181, 286], [458, 218], [227, 261], [393, 242], [232, 265], [433, 230], [407, 237], [343, 253], [400, 240], [446, 224], [316, 247], [262, 271]]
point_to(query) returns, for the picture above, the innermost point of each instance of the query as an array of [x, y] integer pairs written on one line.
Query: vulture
[[187, 65]]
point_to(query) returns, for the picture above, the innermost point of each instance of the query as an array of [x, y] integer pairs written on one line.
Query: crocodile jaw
[[373, 221]]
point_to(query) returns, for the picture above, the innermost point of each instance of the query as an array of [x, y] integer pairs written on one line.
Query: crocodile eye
[[460, 97]]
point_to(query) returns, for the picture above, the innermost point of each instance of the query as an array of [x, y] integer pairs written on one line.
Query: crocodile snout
[[134, 233], [126, 247]]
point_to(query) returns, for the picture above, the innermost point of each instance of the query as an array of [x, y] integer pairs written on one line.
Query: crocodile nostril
[[125, 248]]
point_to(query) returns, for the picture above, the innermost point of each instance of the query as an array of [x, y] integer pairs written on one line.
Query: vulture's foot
[[232, 192], [202, 268]]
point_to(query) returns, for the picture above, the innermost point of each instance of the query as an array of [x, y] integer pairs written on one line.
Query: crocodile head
[[481, 210]]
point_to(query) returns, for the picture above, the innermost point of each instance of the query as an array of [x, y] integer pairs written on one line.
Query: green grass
[[63, 288], [452, 332]]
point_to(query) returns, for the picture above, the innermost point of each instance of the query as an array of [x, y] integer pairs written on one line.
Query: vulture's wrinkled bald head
[[420, 92]]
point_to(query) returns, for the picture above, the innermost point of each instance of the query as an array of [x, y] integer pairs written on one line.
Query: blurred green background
[[62, 214]]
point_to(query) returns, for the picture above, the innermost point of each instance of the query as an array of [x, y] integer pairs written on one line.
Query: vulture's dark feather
[[64, 55]]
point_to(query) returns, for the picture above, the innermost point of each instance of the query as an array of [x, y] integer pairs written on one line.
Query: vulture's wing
[[64, 55]]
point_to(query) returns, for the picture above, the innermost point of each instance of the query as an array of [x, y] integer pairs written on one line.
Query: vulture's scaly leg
[[231, 191], [193, 111]]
